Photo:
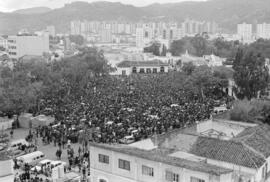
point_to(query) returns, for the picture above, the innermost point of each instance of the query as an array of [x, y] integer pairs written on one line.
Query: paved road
[[48, 150]]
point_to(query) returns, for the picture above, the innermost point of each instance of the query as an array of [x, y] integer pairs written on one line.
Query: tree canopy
[[251, 75], [24, 86]]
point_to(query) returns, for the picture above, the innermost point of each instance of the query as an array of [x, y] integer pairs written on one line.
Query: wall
[[5, 123], [29, 45], [6, 168], [248, 173], [118, 71], [111, 172]]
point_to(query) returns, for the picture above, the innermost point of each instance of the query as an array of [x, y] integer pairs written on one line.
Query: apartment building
[[27, 44], [263, 31], [3, 42], [244, 31]]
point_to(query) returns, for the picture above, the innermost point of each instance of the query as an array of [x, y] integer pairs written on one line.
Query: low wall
[[5, 123]]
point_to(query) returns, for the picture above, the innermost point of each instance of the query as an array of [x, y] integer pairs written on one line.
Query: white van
[[221, 109], [43, 163], [14, 145], [57, 163], [127, 140], [31, 159]]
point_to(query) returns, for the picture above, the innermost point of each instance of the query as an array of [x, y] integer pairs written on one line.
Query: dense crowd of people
[[113, 108]]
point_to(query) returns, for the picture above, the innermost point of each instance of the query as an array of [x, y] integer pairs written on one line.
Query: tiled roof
[[258, 138], [245, 150], [159, 156], [127, 64], [227, 151]]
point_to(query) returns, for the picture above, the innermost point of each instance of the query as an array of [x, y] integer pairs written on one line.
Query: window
[[193, 179], [148, 70], [123, 164], [134, 70], [124, 72], [154, 70], [172, 177], [103, 158], [141, 70], [264, 171], [148, 171], [162, 69]]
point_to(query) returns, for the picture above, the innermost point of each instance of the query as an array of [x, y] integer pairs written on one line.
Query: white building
[[141, 67], [75, 27], [217, 151], [244, 32], [263, 31], [3, 42], [22, 45], [214, 60], [140, 37], [106, 35], [6, 168], [51, 30]]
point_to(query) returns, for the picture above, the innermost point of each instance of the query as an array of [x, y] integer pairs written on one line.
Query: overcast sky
[[11, 5]]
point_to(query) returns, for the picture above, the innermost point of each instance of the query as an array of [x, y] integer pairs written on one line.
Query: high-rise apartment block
[[145, 32], [192, 27], [244, 31], [263, 31]]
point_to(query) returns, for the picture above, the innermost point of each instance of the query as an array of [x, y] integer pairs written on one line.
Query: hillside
[[225, 12], [36, 10]]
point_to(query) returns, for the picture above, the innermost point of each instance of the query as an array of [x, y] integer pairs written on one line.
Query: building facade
[[126, 68], [263, 31], [115, 163], [244, 31], [22, 45]]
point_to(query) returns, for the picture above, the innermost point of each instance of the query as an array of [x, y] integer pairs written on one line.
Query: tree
[[252, 110], [251, 76], [200, 45], [18, 93], [153, 48], [200, 81], [77, 39], [164, 50], [188, 68], [179, 47], [261, 46]]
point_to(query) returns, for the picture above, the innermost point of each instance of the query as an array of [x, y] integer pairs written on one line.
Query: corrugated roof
[[158, 156], [127, 64]]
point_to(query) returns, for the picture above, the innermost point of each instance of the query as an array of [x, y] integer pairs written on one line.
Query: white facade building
[[22, 45], [140, 37], [244, 32], [126, 68], [218, 151], [106, 35], [263, 31], [3, 42], [75, 27], [118, 163]]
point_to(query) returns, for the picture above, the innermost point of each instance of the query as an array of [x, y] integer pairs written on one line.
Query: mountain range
[[35, 10], [227, 13]]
